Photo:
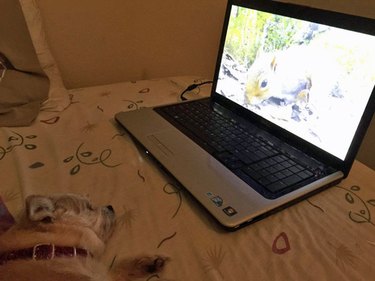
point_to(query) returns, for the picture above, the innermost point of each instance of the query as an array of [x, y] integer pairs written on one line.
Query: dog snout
[[110, 208]]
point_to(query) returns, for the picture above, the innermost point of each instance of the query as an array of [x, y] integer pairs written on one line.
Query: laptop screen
[[311, 79]]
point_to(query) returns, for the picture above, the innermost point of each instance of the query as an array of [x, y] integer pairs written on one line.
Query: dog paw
[[141, 267], [150, 265]]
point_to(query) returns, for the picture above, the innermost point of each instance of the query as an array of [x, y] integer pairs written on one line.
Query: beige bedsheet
[[330, 236]]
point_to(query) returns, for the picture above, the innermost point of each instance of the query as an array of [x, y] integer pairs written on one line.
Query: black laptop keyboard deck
[[252, 158]]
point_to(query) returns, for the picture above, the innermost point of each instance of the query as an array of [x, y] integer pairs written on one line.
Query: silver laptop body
[[264, 45]]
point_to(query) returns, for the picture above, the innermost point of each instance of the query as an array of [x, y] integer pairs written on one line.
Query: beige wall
[[105, 41]]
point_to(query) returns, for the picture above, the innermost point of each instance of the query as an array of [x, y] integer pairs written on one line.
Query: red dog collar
[[43, 252]]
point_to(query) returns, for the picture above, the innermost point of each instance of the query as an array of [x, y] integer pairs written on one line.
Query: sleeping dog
[[60, 238]]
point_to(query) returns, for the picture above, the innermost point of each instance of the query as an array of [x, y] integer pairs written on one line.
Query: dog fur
[[69, 220]]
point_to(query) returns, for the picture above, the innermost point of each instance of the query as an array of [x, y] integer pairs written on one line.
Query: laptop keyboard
[[252, 158]]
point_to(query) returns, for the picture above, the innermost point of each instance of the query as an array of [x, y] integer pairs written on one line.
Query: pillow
[[21, 94], [23, 84], [58, 98]]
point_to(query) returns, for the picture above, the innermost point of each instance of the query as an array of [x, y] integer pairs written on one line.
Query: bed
[[330, 236]]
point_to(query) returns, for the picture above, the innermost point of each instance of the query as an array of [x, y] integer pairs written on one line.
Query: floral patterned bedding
[[330, 236]]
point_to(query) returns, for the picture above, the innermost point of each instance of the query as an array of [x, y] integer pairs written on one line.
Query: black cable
[[192, 87]]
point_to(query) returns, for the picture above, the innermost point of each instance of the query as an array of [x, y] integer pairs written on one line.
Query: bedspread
[[330, 236]]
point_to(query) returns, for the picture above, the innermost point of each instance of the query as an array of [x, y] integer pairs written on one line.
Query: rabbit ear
[[40, 208], [274, 63]]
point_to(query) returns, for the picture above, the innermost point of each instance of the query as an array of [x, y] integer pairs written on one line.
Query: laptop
[[292, 97]]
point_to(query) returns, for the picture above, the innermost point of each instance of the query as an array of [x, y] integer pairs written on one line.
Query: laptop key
[[235, 165], [305, 174], [295, 169], [252, 173], [276, 186], [291, 180]]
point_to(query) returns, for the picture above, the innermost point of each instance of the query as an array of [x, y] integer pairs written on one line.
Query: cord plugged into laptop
[[193, 87]]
